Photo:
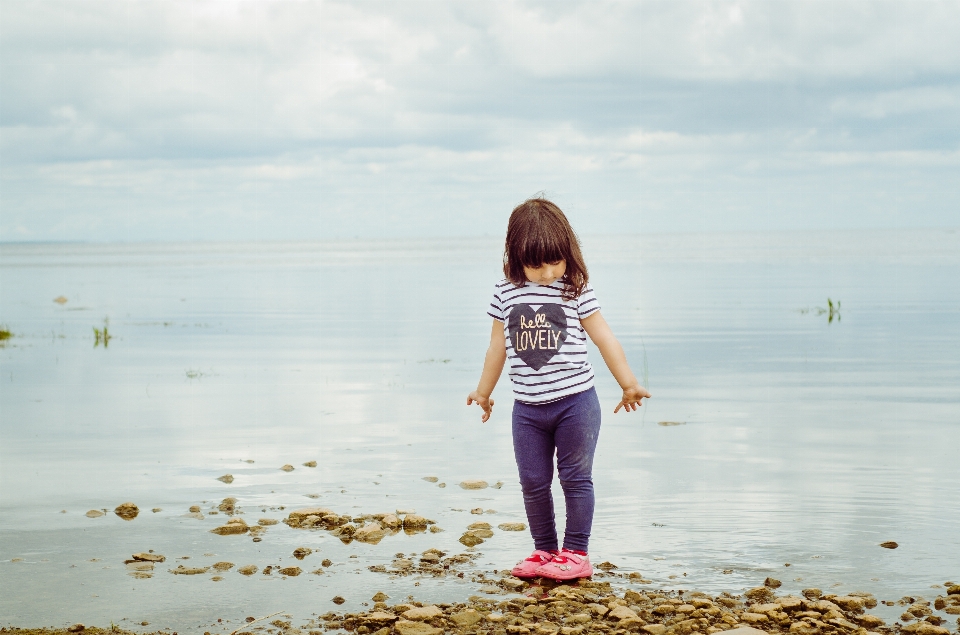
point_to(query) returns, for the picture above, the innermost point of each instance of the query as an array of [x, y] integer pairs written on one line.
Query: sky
[[323, 120]]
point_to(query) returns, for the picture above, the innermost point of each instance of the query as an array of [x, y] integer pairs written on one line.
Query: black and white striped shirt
[[546, 345]]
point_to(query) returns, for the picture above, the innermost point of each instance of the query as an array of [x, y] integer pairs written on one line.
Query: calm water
[[804, 441]]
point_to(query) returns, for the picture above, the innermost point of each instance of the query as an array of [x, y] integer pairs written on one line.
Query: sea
[[805, 409]]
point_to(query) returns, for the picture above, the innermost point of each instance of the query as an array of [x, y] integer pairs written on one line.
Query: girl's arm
[[601, 335], [492, 367]]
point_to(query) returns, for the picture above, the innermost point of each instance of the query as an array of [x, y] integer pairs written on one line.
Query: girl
[[542, 311]]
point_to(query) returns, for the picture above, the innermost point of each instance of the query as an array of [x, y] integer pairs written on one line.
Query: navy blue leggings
[[570, 427]]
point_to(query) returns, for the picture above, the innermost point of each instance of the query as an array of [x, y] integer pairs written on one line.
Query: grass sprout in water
[[832, 311], [5, 334], [102, 336]]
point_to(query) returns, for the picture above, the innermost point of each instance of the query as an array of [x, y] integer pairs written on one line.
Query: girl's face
[[547, 273]]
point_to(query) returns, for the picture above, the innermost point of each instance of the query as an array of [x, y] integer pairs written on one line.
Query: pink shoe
[[527, 568], [567, 566]]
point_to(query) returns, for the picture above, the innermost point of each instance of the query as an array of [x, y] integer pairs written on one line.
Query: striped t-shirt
[[546, 345]]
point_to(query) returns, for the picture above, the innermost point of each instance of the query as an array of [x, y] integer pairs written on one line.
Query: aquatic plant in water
[[832, 311], [102, 336], [5, 333]]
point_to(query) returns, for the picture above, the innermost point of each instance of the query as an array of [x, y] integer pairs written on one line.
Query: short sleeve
[[587, 303], [496, 306]]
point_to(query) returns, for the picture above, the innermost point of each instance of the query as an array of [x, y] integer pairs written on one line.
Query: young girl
[[542, 311]]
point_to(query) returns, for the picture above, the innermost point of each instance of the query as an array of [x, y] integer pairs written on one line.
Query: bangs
[[540, 247]]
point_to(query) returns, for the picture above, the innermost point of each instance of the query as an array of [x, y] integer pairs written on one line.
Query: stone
[[404, 627], [182, 570], [226, 478], [654, 629], [302, 552], [337, 600], [790, 603], [512, 526], [227, 505], [803, 628], [953, 589], [127, 511], [247, 569], [291, 571], [870, 622], [148, 557], [753, 618], [513, 584], [379, 618], [222, 566], [470, 539], [475, 484], [156, 510], [390, 521], [194, 509], [889, 545], [812, 593], [434, 529], [412, 521], [286, 468], [76, 628], [622, 613], [848, 603], [665, 609], [94, 513], [478, 526], [431, 479], [380, 596], [481, 533], [466, 618], [371, 533], [745, 630], [772, 583], [477, 511], [310, 464], [300, 514], [843, 623], [759, 594], [926, 628], [231, 529], [266, 522], [422, 613], [326, 562]]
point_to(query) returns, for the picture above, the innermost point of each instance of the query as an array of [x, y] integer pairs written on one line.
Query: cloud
[[315, 119]]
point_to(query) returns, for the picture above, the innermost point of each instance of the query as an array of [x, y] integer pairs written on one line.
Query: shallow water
[[803, 441]]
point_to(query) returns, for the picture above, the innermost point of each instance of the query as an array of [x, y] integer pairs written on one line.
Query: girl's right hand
[[484, 402]]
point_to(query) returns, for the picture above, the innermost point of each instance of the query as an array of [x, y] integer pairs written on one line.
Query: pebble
[[94, 513], [475, 484], [371, 533], [247, 569], [337, 600], [310, 464], [127, 511], [470, 539], [156, 510], [267, 522], [889, 545], [412, 521], [431, 479], [287, 468], [478, 526], [194, 508], [226, 478], [227, 505], [149, 557], [222, 566], [512, 526], [302, 552], [291, 571], [772, 583], [182, 570]]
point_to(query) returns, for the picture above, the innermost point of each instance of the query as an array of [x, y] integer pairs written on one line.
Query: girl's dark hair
[[539, 233]]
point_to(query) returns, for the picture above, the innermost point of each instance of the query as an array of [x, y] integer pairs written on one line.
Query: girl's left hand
[[631, 398]]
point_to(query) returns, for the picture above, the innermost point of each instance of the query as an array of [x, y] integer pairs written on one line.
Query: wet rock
[[435, 530], [182, 570], [870, 622], [422, 613], [378, 619], [772, 583], [94, 513], [127, 511], [326, 563], [753, 618], [156, 510], [380, 596], [849, 603], [812, 593], [759, 594], [467, 618], [512, 526], [477, 510], [267, 522], [607, 566], [76, 628], [227, 505], [431, 557], [404, 627], [513, 584], [431, 479], [654, 629], [226, 478], [889, 545], [233, 527], [148, 557], [953, 589], [622, 613], [803, 628], [291, 571], [222, 566], [668, 424], [310, 464], [478, 526], [194, 508], [287, 468], [474, 484], [337, 600], [482, 533], [247, 569], [390, 521], [441, 485], [412, 521], [470, 539], [370, 533], [302, 552]]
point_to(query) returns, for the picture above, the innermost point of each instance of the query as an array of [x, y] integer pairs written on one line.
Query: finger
[[491, 403], [617, 409]]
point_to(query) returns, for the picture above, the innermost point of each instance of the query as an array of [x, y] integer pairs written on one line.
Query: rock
[[148, 557], [478, 526], [156, 510], [247, 569], [226, 478], [622, 613], [326, 562], [803, 628], [231, 529], [441, 485], [194, 509], [379, 618], [889, 545], [870, 622], [371, 533], [759, 594], [512, 526], [404, 512], [842, 623], [466, 618], [404, 627], [431, 479], [654, 629], [925, 628], [481, 533], [772, 583], [435, 529], [76, 628], [310, 464], [477, 484], [954, 589], [127, 511], [222, 566], [513, 584], [607, 566], [267, 522], [430, 558], [667, 424], [470, 539], [390, 521], [753, 618], [665, 609], [422, 613], [302, 552], [849, 603], [337, 600], [61, 300], [380, 596], [812, 593], [745, 630], [477, 511], [182, 570], [412, 521], [287, 468], [94, 513], [296, 517], [291, 571], [227, 505]]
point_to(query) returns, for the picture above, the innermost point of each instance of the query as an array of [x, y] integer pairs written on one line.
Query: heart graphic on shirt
[[537, 334]]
